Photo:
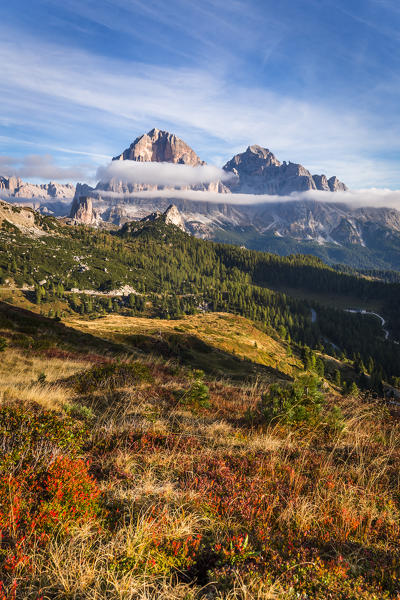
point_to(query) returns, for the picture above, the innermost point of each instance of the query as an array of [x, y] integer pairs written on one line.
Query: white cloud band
[[154, 173], [378, 198]]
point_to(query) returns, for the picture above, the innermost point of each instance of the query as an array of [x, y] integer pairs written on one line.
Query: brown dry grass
[[343, 483], [230, 333], [19, 373]]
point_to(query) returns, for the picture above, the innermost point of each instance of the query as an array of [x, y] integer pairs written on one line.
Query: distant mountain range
[[255, 171], [49, 198], [337, 232], [16, 188]]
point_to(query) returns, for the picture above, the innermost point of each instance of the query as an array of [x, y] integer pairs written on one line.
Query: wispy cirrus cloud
[[124, 99], [316, 82], [36, 166]]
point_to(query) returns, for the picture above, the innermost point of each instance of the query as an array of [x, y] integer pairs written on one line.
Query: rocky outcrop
[[171, 216], [82, 211], [24, 219], [160, 146], [258, 171]]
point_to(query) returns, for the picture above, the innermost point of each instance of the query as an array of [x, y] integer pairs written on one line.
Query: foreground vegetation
[[132, 474]]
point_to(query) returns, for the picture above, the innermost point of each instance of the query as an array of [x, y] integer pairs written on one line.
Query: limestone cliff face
[[258, 171], [82, 211], [160, 146], [173, 217]]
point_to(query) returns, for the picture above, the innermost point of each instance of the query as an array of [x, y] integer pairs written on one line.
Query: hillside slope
[[220, 344], [152, 268], [129, 475]]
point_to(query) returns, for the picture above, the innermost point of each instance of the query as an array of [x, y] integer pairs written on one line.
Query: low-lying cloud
[[160, 174], [373, 197], [41, 166]]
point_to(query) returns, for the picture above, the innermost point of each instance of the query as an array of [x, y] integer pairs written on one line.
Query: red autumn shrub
[[34, 505], [71, 491]]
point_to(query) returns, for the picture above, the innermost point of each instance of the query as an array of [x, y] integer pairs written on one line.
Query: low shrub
[[79, 411], [45, 488], [30, 435], [198, 395], [111, 375], [296, 403]]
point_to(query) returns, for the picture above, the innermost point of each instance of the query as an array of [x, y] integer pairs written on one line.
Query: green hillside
[[175, 425], [73, 270]]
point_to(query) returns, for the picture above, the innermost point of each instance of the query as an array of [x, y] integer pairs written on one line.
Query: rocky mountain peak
[[262, 153], [253, 161], [260, 172], [173, 217], [160, 146]]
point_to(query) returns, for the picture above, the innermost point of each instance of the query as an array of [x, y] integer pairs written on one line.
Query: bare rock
[[173, 217], [160, 146], [258, 171], [82, 211], [335, 185]]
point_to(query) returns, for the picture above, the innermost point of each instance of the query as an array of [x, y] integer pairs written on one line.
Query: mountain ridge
[[15, 187], [258, 171], [335, 231]]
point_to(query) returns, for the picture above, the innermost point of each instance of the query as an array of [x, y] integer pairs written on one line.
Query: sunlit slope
[[220, 343]]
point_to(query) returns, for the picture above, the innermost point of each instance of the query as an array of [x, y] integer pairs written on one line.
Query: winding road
[[362, 311]]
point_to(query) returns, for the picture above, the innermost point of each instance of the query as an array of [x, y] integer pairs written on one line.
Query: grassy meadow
[[130, 473]]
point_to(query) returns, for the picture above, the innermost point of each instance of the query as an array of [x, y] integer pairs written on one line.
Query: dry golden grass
[[230, 333], [82, 566], [338, 484], [19, 375]]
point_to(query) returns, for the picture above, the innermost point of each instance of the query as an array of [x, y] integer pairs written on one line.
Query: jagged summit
[[160, 146], [258, 171], [171, 216], [154, 224], [263, 154]]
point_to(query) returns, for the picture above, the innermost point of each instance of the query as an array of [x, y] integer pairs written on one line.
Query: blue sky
[[316, 81]]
